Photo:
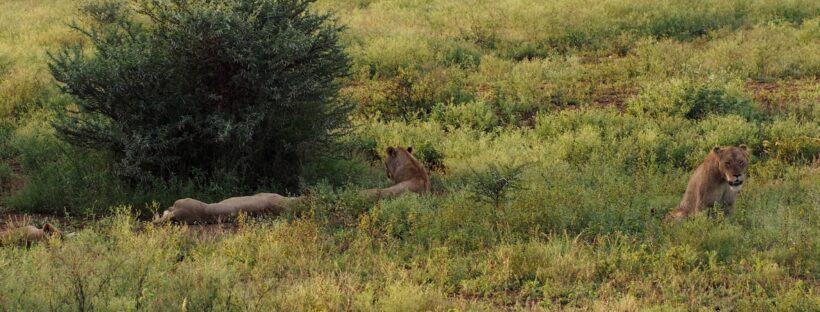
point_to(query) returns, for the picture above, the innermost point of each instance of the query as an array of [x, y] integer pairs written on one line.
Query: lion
[[189, 210], [717, 180], [26, 235], [402, 168], [405, 171]]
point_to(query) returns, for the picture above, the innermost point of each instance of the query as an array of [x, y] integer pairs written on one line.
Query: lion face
[[733, 164]]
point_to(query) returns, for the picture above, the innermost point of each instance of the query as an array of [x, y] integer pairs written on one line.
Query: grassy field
[[604, 107]]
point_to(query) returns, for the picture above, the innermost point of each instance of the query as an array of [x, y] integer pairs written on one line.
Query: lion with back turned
[[406, 172], [716, 181]]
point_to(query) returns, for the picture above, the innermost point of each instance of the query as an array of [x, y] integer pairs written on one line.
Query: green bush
[[477, 115], [35, 143], [705, 100], [728, 130], [691, 99], [430, 157], [791, 140], [236, 88], [409, 94], [65, 179], [496, 183]]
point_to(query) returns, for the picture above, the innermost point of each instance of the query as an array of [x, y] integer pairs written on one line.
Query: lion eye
[[727, 163]]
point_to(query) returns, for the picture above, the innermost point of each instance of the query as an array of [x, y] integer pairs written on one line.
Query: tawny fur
[[716, 181], [28, 234], [402, 168], [406, 172], [189, 210]]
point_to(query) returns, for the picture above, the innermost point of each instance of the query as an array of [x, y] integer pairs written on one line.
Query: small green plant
[[496, 183]]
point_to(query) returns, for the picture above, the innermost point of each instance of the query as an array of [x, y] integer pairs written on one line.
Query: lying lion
[[190, 210], [717, 180], [26, 235], [402, 168], [406, 172]]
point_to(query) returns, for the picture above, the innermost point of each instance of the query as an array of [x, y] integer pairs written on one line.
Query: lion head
[[732, 164], [51, 230], [402, 166]]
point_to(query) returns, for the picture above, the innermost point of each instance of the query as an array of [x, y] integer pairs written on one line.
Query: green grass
[[607, 105]]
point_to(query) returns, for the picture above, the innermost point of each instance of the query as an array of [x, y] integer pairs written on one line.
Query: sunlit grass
[[607, 105]]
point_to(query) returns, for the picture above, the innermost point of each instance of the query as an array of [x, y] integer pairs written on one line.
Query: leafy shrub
[[496, 183], [236, 88], [339, 172], [402, 217], [705, 100], [20, 91], [458, 53], [429, 156], [477, 115], [707, 235], [690, 99], [790, 140], [334, 209], [728, 130], [35, 143], [410, 93], [764, 53], [66, 179], [387, 56], [579, 145]]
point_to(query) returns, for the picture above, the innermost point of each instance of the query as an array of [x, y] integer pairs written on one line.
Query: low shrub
[[790, 140], [691, 99], [477, 115]]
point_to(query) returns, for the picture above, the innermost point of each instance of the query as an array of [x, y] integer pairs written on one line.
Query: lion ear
[[743, 147], [716, 149], [409, 149], [391, 151]]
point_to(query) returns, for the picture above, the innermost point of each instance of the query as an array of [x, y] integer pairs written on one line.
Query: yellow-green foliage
[[520, 56], [608, 105], [28, 29]]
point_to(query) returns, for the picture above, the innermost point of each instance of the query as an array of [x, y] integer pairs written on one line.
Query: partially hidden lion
[[26, 235], [189, 210], [402, 168], [717, 181], [406, 172]]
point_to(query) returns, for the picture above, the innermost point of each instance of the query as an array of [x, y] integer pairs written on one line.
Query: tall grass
[[606, 105]]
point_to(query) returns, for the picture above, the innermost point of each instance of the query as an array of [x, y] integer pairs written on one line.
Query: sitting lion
[[190, 210], [402, 168], [405, 171], [25, 235], [717, 180]]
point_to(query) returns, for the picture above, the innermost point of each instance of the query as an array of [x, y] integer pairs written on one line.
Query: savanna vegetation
[[557, 134]]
